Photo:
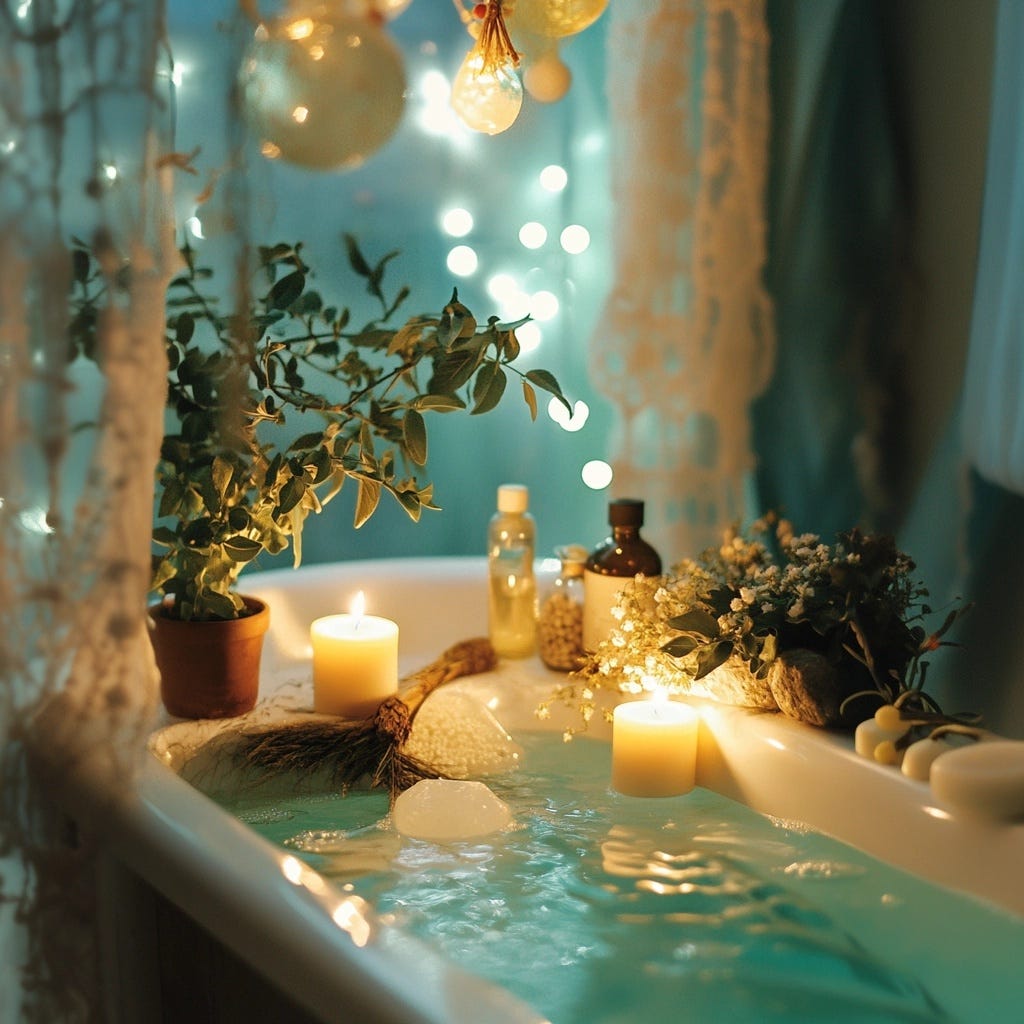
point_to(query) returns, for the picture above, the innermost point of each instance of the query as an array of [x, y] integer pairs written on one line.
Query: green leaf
[[696, 620], [198, 534], [216, 606], [414, 432], [711, 657], [287, 290], [242, 549], [377, 274], [221, 472], [530, 397], [164, 536], [306, 441], [410, 501], [367, 500], [80, 265], [170, 500], [406, 337], [366, 441], [488, 387], [291, 495], [681, 646], [546, 382], [184, 328], [355, 257], [510, 347], [452, 370], [438, 403], [239, 518]]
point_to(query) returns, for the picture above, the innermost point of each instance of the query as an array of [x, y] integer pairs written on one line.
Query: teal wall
[[395, 202]]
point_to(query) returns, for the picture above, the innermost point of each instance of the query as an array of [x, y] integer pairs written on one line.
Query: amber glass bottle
[[614, 561]]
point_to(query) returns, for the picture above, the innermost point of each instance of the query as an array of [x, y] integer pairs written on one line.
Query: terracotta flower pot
[[210, 669]]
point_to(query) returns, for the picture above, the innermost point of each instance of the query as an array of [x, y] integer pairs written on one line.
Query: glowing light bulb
[[596, 474], [543, 305], [554, 178], [533, 235], [457, 222], [462, 260], [487, 98], [575, 239], [529, 337]]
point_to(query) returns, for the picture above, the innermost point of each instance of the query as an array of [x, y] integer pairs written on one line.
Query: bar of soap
[[985, 779], [449, 810]]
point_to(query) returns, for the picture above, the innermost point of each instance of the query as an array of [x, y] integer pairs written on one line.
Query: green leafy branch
[[230, 483]]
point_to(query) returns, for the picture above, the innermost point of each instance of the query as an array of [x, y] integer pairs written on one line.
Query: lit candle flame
[[358, 608]]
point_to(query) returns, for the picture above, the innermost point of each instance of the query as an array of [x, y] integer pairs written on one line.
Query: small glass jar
[[560, 619]]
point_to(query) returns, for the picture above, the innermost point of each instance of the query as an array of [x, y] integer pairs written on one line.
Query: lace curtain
[[993, 402], [686, 340], [85, 114]]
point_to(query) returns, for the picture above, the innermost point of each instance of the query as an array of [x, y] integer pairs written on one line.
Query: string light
[[487, 93]]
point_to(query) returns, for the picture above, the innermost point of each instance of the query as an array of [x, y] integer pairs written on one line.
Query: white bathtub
[[325, 950]]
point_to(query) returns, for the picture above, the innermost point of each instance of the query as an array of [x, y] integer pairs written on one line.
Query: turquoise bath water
[[601, 909]]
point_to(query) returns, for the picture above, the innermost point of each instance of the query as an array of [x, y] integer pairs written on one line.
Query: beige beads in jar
[[560, 620]]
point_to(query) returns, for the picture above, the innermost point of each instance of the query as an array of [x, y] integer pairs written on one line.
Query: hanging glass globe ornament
[[389, 9], [556, 18], [322, 87], [547, 78], [486, 92]]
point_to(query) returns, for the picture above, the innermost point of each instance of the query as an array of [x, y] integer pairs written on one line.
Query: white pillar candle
[[654, 748], [355, 662]]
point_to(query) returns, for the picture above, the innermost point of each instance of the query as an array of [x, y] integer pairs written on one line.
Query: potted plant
[[271, 410]]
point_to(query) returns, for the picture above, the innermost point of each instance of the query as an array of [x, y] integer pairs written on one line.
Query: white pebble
[[985, 779], [449, 810], [919, 756], [869, 734]]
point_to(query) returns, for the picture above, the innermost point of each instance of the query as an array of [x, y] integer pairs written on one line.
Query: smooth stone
[[985, 779], [919, 757], [449, 810], [804, 686], [869, 734]]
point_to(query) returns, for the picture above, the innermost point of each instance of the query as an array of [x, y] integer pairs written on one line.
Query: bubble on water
[[821, 869], [266, 816], [319, 840]]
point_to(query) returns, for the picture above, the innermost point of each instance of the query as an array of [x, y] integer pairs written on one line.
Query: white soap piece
[[449, 810], [456, 734], [869, 734], [919, 757], [985, 779]]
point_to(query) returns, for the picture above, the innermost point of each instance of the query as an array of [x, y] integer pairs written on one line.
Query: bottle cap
[[626, 512], [513, 498]]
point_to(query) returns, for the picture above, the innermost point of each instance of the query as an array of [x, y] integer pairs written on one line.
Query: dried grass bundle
[[351, 750]]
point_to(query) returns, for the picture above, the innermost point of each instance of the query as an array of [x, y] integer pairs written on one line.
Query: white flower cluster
[[797, 586]]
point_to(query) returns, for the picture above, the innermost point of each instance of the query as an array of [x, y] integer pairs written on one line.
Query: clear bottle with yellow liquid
[[512, 605]]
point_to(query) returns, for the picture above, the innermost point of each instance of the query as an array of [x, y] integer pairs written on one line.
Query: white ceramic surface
[[282, 918]]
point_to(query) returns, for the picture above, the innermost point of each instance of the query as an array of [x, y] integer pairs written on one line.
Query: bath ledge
[[290, 925]]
